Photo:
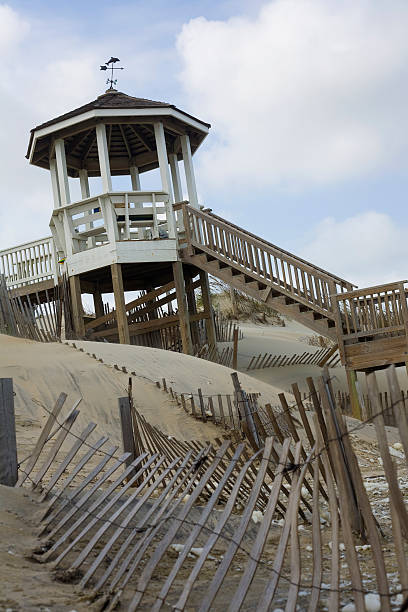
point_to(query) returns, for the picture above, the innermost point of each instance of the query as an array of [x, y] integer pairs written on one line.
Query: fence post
[[128, 436], [243, 400], [8, 445], [235, 353], [202, 407], [354, 397]]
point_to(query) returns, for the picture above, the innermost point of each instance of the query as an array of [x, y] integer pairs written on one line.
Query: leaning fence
[[36, 318], [325, 356], [235, 523]]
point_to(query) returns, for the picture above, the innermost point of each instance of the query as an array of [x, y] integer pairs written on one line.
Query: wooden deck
[[372, 327]]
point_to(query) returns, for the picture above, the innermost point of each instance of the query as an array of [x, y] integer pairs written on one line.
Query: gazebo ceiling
[[129, 130]]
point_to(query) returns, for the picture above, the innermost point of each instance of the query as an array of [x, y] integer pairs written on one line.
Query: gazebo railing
[[113, 217], [31, 262]]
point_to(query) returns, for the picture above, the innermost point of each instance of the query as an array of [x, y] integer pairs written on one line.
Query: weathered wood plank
[[8, 444], [42, 439]]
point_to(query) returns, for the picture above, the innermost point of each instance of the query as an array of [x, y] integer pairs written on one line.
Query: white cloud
[[366, 249], [50, 67], [13, 29], [309, 92], [37, 84]]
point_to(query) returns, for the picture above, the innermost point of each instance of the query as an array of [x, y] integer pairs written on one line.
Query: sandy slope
[[290, 340], [25, 584], [42, 371], [183, 373]]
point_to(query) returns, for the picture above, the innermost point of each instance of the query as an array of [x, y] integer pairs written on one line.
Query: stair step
[[227, 271], [214, 265], [280, 299], [253, 285], [201, 258], [294, 308], [323, 323]]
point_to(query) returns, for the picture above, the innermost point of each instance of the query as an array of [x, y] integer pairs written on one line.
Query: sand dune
[[41, 372], [183, 373]]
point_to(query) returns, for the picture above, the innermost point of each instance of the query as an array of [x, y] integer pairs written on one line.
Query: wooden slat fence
[[210, 352], [35, 318], [220, 408], [267, 360], [140, 531], [224, 328]]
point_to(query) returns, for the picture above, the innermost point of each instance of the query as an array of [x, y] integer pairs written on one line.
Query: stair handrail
[[292, 259], [336, 278]]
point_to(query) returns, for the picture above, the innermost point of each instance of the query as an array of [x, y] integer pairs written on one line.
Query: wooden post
[[354, 399], [202, 407], [120, 306], [77, 312], [128, 437], [8, 445], [184, 316], [192, 309], [243, 404], [206, 295], [98, 304], [235, 353]]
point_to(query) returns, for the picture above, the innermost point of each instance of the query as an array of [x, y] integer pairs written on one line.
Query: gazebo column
[[175, 176], [120, 306], [165, 176], [184, 316], [189, 170], [104, 167], [84, 183], [54, 183], [85, 194], [206, 296], [177, 189], [135, 178], [74, 281], [135, 181], [64, 194], [62, 172], [103, 155]]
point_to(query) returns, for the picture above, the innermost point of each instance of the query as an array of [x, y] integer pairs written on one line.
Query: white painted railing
[[113, 217], [31, 262]]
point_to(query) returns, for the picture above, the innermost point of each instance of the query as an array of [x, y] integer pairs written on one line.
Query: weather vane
[[110, 66]]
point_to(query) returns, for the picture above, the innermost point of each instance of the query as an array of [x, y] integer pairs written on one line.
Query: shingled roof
[[114, 99]]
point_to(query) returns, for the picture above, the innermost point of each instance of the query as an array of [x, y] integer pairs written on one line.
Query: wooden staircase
[[289, 284]]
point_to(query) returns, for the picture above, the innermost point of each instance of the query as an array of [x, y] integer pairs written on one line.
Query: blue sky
[[307, 101]]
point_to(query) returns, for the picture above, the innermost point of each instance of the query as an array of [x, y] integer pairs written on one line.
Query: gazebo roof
[[130, 131], [113, 99]]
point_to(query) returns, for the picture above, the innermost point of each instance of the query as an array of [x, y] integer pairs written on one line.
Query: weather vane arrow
[[109, 65]]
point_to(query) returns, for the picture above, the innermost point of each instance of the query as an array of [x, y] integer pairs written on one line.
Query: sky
[[307, 100]]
